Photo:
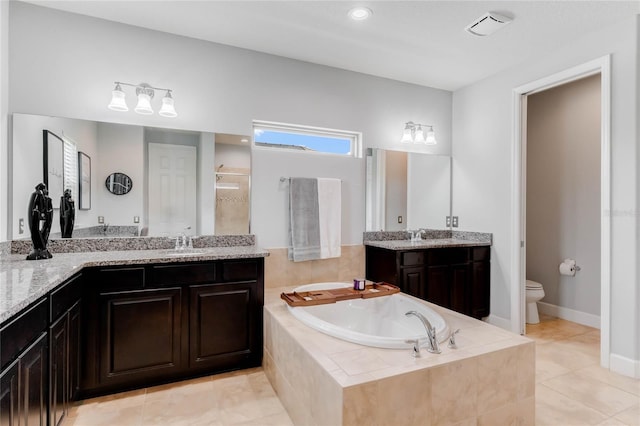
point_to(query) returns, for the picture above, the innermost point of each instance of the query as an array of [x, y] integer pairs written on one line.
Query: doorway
[[599, 67]]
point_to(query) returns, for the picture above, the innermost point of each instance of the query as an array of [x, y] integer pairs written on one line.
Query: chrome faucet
[[431, 332], [182, 241], [416, 235]]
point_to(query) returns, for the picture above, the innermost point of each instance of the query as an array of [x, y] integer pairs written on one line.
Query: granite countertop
[[426, 244], [22, 281]]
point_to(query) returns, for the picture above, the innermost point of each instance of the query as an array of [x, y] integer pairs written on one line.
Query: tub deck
[[489, 379]]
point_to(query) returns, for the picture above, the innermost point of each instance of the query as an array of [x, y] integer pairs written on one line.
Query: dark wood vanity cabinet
[[157, 323], [64, 347], [24, 367], [457, 278]]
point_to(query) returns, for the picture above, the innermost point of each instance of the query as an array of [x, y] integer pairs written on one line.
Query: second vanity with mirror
[[412, 191]]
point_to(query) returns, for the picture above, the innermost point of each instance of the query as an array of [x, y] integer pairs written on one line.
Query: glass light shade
[[419, 135], [167, 109], [144, 104], [407, 137], [431, 137], [117, 100]]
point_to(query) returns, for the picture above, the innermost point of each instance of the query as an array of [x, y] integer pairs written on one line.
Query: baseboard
[[498, 322], [625, 366], [583, 318]]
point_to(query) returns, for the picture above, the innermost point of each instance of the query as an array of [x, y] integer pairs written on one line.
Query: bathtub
[[379, 322]]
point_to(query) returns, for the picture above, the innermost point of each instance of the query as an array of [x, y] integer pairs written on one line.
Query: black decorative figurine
[[40, 214], [67, 214]]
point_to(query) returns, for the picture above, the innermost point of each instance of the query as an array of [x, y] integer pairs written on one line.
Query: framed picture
[[84, 181], [53, 166]]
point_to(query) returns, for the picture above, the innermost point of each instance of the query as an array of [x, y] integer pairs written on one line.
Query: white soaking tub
[[379, 322]]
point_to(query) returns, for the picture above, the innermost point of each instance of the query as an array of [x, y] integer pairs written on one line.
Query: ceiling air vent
[[487, 24]]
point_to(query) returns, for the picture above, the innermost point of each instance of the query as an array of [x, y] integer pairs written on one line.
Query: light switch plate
[[21, 226], [399, 219], [136, 219], [454, 221], [448, 221], [100, 219]]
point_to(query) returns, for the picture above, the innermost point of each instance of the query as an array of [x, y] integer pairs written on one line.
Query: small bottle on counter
[[359, 284]]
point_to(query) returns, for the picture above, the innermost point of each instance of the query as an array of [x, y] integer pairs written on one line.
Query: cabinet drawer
[[240, 270], [481, 254], [120, 278], [64, 297], [447, 256], [411, 258], [17, 334], [193, 273]]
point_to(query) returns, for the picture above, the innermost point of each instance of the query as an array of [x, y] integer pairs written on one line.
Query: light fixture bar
[[145, 93], [418, 133]]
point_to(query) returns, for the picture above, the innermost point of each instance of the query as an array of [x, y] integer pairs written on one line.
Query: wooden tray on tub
[[323, 297]]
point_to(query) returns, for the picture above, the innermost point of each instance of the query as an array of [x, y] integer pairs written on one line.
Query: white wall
[[482, 184], [563, 192], [121, 149], [27, 158], [5, 156], [217, 89]]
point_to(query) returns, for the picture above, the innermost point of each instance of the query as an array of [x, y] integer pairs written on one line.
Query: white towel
[[330, 216]]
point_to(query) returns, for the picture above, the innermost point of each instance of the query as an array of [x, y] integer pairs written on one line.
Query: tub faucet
[[431, 332]]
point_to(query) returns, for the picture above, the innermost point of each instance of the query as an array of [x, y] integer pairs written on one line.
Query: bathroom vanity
[[450, 272], [98, 323]]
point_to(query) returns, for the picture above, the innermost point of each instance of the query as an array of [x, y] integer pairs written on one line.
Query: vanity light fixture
[[145, 93], [414, 133]]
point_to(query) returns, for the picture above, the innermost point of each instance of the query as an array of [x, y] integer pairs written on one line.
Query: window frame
[[354, 137]]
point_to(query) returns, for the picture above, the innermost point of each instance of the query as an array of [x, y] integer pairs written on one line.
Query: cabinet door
[[480, 289], [74, 351], [460, 288], [58, 370], [222, 324], [140, 335], [33, 383], [9, 394], [438, 285], [413, 281]]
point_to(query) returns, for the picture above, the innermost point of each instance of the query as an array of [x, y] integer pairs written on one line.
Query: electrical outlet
[[454, 221], [136, 219], [448, 221], [399, 219], [21, 226], [100, 219]]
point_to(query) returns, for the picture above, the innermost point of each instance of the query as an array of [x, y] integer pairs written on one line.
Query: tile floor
[[571, 389]]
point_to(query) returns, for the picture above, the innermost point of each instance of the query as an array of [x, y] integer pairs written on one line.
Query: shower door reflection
[[232, 203]]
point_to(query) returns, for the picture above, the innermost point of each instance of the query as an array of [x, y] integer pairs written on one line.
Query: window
[[306, 139], [70, 166]]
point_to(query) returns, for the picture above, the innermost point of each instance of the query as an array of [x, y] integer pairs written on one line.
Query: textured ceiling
[[420, 42]]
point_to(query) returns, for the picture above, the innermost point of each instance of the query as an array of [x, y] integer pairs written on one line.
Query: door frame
[[600, 66]]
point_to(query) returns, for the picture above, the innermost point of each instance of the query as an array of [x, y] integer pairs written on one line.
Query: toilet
[[535, 292]]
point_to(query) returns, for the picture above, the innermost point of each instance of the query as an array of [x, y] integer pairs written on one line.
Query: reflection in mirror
[[133, 150], [118, 183], [233, 184], [407, 190]]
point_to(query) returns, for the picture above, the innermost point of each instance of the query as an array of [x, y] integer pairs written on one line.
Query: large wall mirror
[[407, 190], [183, 181]]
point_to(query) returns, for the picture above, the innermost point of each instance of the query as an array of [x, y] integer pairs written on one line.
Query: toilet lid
[[533, 284]]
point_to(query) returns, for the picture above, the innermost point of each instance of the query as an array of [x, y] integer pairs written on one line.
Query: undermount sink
[[180, 253]]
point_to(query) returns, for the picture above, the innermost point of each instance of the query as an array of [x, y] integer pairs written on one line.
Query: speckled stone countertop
[[22, 282], [425, 244], [399, 240]]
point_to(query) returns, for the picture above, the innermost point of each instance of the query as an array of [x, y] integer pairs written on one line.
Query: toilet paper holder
[[569, 267]]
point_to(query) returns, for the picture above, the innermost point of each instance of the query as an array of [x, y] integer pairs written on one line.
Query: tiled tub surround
[[279, 271], [82, 245], [488, 380], [24, 281]]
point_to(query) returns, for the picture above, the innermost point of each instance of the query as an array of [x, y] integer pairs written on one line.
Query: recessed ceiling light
[[360, 13]]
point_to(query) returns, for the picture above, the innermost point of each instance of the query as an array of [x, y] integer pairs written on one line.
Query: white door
[[172, 189]]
